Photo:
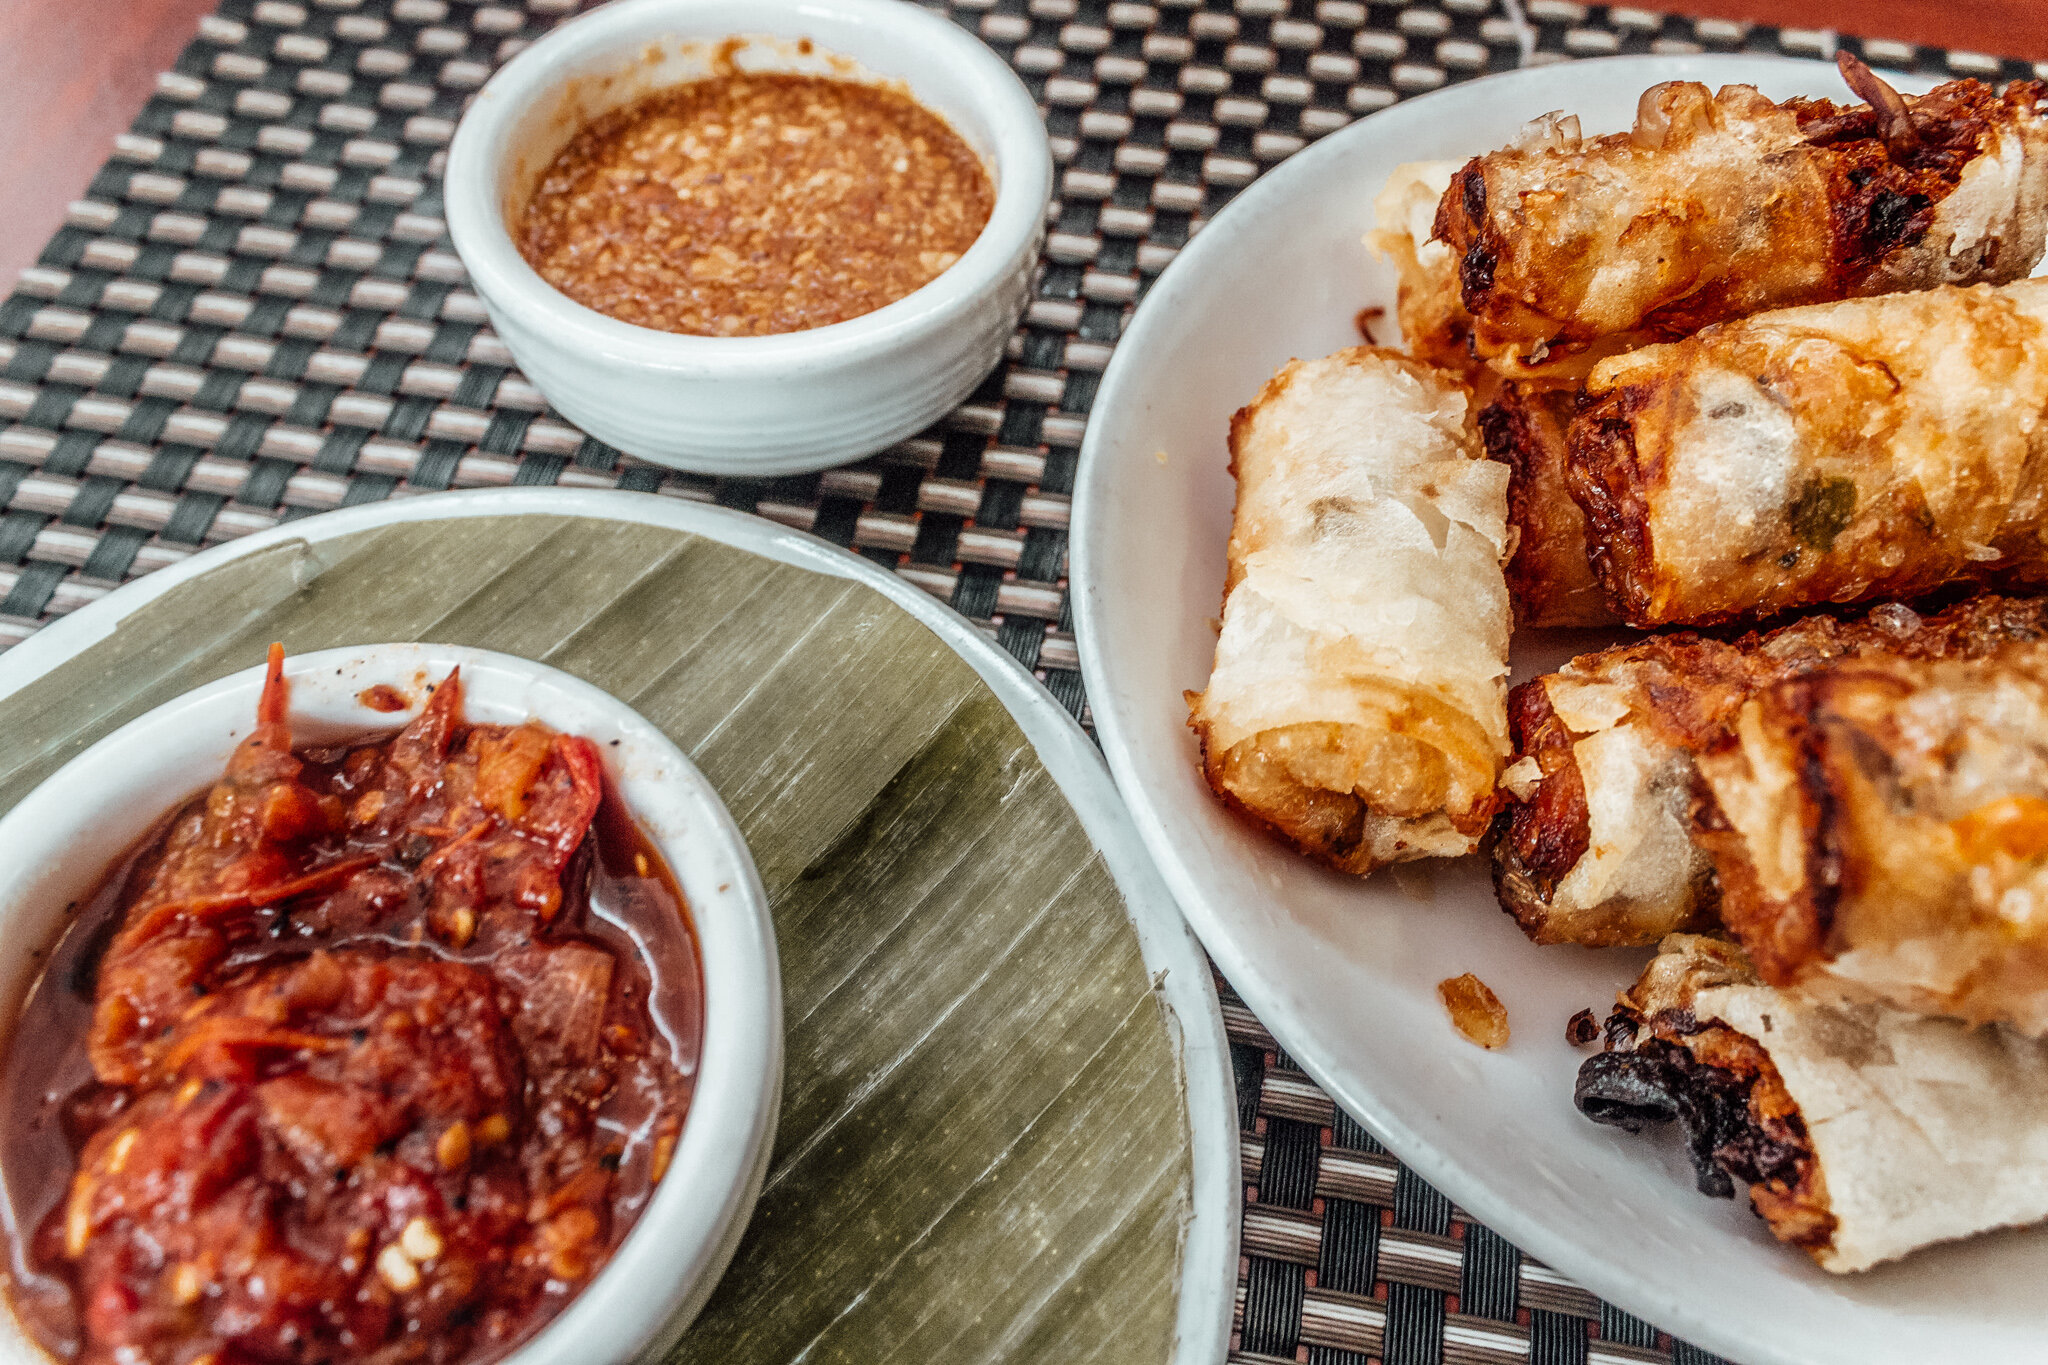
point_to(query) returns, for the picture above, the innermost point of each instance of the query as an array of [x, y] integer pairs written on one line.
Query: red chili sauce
[[371, 1053]]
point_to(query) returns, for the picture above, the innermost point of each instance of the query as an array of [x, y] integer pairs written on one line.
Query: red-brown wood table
[[73, 73]]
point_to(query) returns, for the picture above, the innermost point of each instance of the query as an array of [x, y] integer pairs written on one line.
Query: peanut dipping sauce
[[745, 205]]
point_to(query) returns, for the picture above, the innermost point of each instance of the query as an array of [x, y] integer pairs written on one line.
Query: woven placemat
[[255, 315]]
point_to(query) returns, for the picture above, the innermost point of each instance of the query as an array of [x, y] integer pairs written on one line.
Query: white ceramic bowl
[[750, 405], [63, 836]]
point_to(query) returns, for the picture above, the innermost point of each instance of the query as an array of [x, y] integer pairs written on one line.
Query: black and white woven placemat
[[255, 315]]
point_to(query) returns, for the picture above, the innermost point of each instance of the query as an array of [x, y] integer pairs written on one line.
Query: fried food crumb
[[1582, 1028], [1475, 1010]]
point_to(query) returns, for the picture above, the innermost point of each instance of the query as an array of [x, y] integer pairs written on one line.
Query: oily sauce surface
[[743, 205], [373, 1052]]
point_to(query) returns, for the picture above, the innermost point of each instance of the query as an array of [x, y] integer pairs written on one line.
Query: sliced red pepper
[[585, 766], [418, 749], [274, 706], [252, 898], [229, 1037]]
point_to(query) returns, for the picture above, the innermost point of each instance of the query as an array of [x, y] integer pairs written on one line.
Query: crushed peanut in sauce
[[744, 205]]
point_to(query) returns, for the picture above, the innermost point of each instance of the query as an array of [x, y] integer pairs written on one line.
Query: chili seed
[[664, 1149], [78, 1217], [420, 1241], [396, 1269], [117, 1155], [453, 1148], [186, 1284]]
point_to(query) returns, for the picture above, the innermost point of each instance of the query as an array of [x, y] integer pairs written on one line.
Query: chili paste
[[371, 1053]]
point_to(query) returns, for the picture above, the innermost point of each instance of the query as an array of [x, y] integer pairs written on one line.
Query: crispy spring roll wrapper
[[1595, 842], [1716, 206], [1434, 323], [1358, 702], [1550, 580], [1837, 453], [1861, 1132], [1879, 828]]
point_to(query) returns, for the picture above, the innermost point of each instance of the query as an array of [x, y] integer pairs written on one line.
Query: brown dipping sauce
[[743, 205], [371, 1052]]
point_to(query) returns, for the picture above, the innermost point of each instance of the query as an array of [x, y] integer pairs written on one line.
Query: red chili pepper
[[275, 703], [585, 766]]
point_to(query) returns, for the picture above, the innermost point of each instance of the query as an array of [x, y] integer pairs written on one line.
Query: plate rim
[[1252, 982], [1181, 980]]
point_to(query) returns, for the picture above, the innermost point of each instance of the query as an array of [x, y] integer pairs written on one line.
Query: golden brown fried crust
[[1782, 938], [1605, 480], [1842, 211], [1434, 323], [1327, 826], [1549, 577], [1334, 828], [1687, 688], [1535, 842], [1687, 691], [1865, 808], [1371, 769], [1240, 425], [1552, 840]]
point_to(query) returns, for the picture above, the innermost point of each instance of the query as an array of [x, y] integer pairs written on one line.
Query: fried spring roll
[[1358, 702], [1550, 579], [1595, 843], [1717, 206], [1862, 1133], [1721, 205], [1710, 208], [1434, 323], [1879, 829], [1837, 453]]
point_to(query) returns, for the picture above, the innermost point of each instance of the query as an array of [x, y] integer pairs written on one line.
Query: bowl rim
[[685, 1233], [1021, 166]]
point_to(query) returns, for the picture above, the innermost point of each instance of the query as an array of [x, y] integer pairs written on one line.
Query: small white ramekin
[[750, 405], [63, 836]]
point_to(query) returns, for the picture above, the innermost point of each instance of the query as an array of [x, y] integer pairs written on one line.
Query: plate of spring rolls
[[1562, 582]]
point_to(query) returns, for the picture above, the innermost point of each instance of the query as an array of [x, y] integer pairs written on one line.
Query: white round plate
[[1195, 1023], [1344, 971]]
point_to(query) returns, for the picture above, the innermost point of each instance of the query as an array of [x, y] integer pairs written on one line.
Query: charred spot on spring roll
[[1740, 1124]]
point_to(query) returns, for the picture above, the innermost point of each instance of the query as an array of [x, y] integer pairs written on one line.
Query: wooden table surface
[[74, 72]]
